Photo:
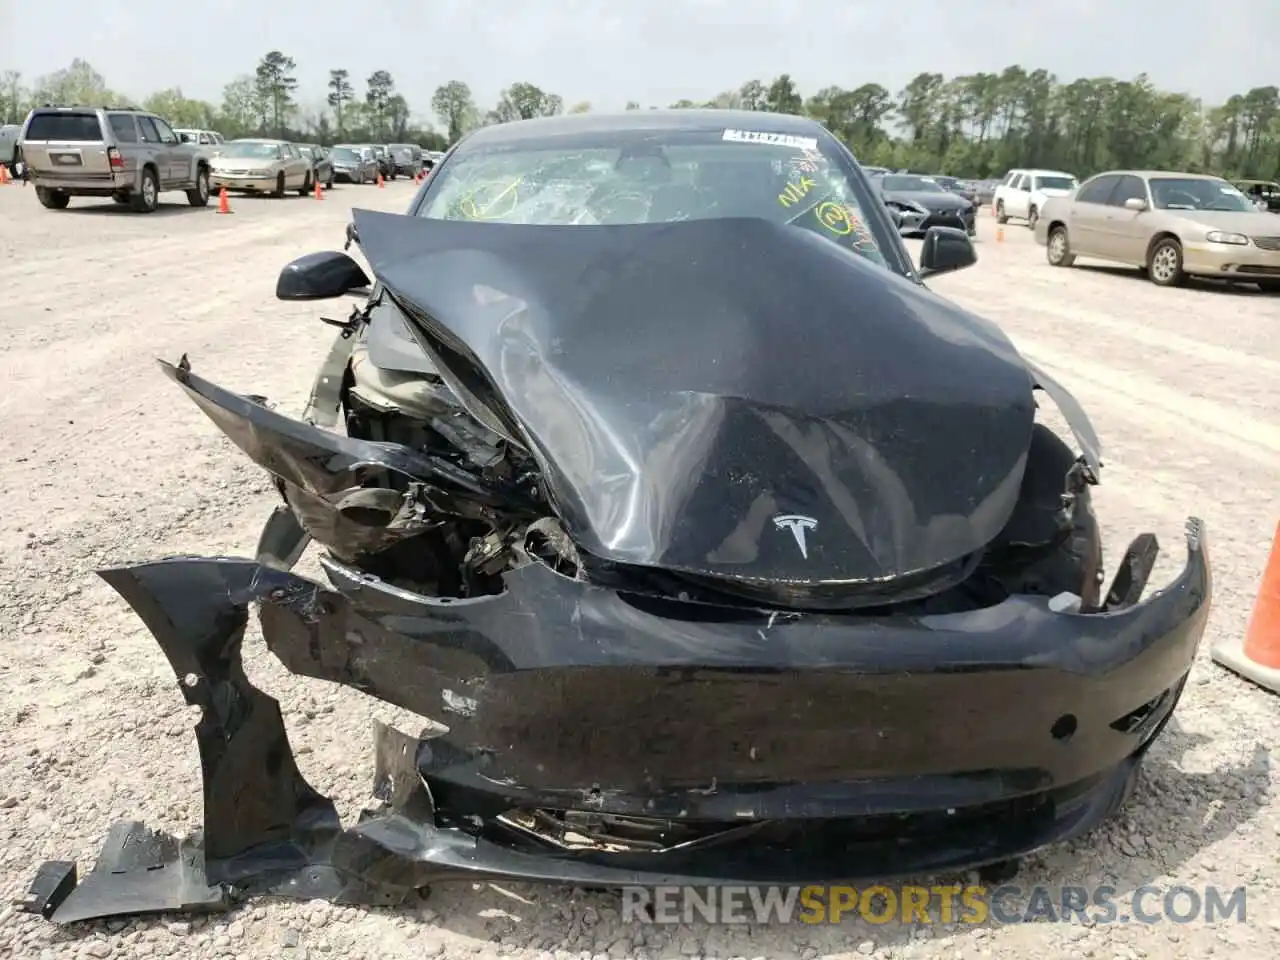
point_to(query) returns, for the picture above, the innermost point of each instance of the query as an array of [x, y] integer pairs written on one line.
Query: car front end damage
[[918, 216], [591, 736], [678, 623]]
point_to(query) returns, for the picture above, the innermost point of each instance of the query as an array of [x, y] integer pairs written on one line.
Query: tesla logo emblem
[[799, 527]]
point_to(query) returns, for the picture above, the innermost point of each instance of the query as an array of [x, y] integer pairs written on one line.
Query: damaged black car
[[710, 544]]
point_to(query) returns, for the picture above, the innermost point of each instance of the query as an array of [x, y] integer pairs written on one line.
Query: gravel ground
[[103, 462]]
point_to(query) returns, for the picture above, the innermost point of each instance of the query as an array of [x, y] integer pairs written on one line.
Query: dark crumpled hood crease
[[681, 384]]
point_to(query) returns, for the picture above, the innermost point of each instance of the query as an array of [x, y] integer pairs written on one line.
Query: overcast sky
[[653, 51]]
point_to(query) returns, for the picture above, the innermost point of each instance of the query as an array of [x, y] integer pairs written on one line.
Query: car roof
[[258, 140], [655, 120], [1145, 174]]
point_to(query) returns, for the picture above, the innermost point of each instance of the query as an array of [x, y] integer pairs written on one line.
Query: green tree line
[[975, 125]]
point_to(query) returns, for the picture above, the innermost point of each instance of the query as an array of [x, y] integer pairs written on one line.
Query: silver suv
[[118, 152]]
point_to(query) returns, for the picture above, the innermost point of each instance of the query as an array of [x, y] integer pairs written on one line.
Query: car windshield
[[949, 182], [896, 183], [343, 155], [1195, 193], [1055, 183], [632, 178], [250, 148]]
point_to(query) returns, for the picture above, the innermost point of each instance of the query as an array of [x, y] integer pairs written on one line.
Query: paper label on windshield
[[776, 139]]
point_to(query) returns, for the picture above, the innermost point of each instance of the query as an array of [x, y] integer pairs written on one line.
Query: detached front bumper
[[739, 747]]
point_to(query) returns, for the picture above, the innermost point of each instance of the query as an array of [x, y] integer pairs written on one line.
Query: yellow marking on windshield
[[469, 210], [835, 217], [795, 192]]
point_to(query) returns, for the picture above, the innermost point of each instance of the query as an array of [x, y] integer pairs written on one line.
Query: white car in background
[[1023, 193], [205, 138]]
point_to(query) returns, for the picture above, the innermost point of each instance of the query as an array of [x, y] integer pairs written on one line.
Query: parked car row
[[133, 155]]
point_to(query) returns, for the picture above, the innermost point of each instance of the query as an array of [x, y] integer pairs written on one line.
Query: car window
[[205, 138], [1055, 183], [246, 149], [1129, 188], [149, 132], [71, 127], [618, 179], [1097, 190], [1198, 193], [897, 183], [123, 127], [166, 133]]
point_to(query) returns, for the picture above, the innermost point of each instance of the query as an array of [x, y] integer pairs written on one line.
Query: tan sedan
[[261, 166], [1172, 225]]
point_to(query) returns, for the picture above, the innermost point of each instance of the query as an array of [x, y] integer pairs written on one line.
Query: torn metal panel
[[318, 461], [1077, 419]]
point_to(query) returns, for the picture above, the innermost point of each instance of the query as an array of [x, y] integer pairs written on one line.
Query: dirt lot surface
[[102, 461]]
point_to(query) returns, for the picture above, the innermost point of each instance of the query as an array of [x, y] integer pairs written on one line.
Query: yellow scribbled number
[[795, 192], [488, 212], [835, 217]]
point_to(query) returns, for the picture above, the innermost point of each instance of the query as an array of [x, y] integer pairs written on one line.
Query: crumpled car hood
[[733, 397]]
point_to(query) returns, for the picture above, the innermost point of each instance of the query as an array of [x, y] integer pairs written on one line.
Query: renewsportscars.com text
[[939, 904]]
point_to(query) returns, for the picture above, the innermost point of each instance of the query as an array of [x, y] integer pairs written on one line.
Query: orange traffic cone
[[319, 195], [999, 234], [381, 182], [4, 174], [224, 205], [1257, 658]]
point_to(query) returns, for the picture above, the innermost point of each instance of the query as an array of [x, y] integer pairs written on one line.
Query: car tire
[[1058, 248], [278, 192], [147, 197], [1000, 217], [1032, 216], [53, 199], [198, 196], [306, 185], [1164, 265], [328, 184], [120, 196]]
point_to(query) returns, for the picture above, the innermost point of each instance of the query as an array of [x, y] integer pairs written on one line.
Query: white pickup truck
[[1022, 193]]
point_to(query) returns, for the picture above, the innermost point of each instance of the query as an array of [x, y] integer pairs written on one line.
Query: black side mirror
[[320, 276], [946, 249]]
